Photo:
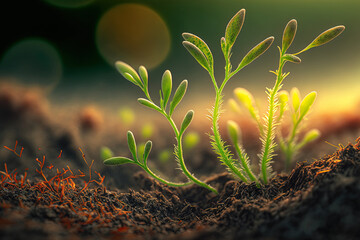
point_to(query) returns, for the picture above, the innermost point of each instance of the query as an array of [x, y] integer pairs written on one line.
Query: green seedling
[[278, 102], [201, 52], [165, 108], [267, 125], [290, 145]]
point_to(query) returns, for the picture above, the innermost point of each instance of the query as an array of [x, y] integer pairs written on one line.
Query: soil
[[49, 199], [316, 201]]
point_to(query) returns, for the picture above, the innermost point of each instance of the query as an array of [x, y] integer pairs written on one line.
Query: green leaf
[[283, 97], [166, 86], [179, 94], [131, 79], [233, 28], [197, 54], [106, 153], [118, 161], [223, 46], [149, 104], [256, 52], [202, 46], [245, 97], [124, 69], [312, 135], [144, 75], [306, 103], [187, 120], [325, 37], [147, 149], [289, 35], [234, 131], [132, 144], [283, 100], [291, 58], [295, 98], [161, 99]]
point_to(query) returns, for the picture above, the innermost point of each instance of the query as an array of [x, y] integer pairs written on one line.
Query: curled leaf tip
[[233, 131]]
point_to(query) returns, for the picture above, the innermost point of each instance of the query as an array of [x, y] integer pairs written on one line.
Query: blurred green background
[[68, 46]]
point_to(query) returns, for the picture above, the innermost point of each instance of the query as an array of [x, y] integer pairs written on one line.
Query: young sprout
[[299, 109], [279, 102], [140, 157], [201, 52]]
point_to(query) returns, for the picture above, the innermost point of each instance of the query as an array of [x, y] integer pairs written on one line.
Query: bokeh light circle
[[134, 34], [33, 62], [69, 3]]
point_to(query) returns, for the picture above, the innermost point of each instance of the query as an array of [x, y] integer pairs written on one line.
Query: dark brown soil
[[316, 201]]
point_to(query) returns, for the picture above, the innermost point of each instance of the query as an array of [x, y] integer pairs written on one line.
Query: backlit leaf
[[256, 52], [166, 86], [295, 98], [144, 75], [197, 54], [291, 58], [124, 68], [187, 120], [132, 144], [233, 131], [289, 34], [234, 27], [147, 149], [312, 135], [325, 37], [245, 97], [202, 46], [179, 94], [223, 46], [149, 104], [306, 103]]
